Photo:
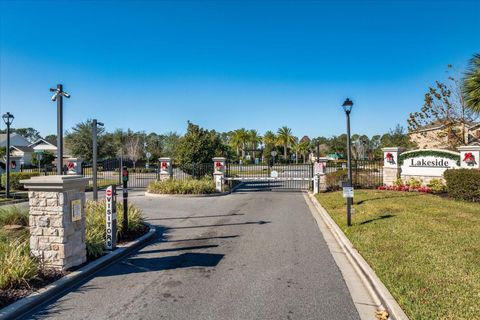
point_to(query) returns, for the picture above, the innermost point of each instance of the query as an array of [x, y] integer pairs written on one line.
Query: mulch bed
[[44, 278]]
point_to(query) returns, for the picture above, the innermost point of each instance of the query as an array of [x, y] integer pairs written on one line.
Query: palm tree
[[269, 139], [235, 141], [303, 148], [243, 137], [285, 138], [296, 148], [254, 139], [471, 84]]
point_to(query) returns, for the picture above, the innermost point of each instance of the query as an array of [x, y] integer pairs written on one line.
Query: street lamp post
[[95, 125], [8, 119], [58, 96], [347, 107]]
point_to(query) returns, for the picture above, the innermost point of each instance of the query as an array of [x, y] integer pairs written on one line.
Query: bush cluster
[[95, 230], [187, 186], [335, 178], [15, 178], [463, 184]]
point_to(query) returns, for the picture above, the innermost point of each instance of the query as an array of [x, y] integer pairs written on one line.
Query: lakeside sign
[[111, 218], [429, 163]]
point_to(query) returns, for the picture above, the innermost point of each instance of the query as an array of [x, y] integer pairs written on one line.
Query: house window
[[477, 134]]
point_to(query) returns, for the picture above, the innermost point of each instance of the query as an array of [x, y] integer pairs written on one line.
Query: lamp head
[[347, 105], [8, 118]]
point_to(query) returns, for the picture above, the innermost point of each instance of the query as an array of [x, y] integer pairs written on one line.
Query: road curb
[[24, 305], [371, 280]]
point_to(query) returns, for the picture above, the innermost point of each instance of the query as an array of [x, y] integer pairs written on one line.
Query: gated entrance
[[259, 177]]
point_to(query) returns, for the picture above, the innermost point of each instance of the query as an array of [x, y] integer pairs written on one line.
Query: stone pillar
[[469, 157], [74, 166], [219, 172], [57, 220], [391, 165], [166, 169]]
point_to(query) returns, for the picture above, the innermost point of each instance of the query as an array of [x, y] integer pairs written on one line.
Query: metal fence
[[365, 173], [192, 171], [40, 171], [293, 177]]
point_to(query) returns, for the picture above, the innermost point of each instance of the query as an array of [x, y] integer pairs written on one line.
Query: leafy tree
[[30, 134], [471, 84], [52, 138], [285, 138], [169, 144], [396, 137], [46, 159], [444, 105], [198, 146], [79, 141]]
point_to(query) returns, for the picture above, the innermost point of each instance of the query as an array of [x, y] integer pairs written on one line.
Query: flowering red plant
[[469, 158], [406, 189]]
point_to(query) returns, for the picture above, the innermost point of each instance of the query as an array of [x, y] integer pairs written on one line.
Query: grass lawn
[[425, 249]]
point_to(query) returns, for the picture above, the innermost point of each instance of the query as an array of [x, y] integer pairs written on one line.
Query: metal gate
[[260, 177], [109, 172]]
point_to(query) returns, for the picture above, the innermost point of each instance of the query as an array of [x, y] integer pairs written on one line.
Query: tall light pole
[[8, 119], [58, 96], [95, 125], [347, 107]]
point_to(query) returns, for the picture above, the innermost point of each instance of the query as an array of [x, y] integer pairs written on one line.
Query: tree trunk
[[285, 152]]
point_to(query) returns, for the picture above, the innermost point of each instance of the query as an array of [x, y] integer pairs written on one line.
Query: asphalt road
[[255, 255]]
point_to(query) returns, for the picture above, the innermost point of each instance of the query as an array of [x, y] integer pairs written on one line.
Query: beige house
[[439, 136]]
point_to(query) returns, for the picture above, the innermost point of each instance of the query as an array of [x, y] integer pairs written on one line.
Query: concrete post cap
[[55, 183]]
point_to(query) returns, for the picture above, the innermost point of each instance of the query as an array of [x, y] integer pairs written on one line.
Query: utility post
[[95, 125], [125, 199], [8, 119], [58, 96]]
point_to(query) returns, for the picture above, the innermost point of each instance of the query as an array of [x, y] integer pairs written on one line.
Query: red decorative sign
[[469, 158], [109, 192], [164, 165], [70, 165], [389, 157]]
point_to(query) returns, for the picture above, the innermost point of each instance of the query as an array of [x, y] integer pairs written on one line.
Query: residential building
[[439, 136]]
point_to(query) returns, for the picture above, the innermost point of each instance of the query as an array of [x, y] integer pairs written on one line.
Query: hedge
[[463, 184], [15, 178], [187, 186]]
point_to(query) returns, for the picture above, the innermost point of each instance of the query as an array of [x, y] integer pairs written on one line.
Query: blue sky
[[153, 65]]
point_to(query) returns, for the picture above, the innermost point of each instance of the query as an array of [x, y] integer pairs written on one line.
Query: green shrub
[[335, 178], [398, 182], [13, 215], [187, 186], [413, 183], [95, 231], [15, 178], [436, 185], [463, 184], [16, 265]]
